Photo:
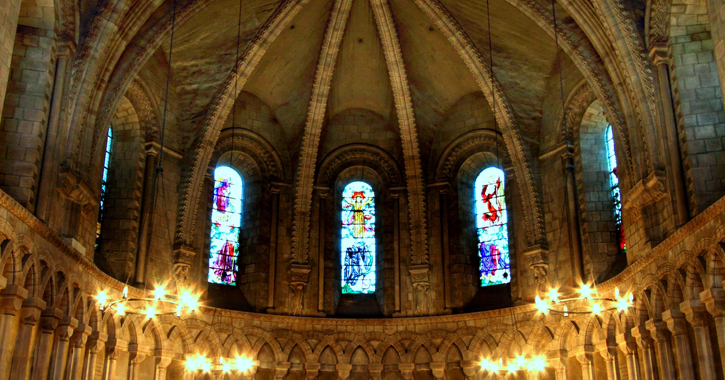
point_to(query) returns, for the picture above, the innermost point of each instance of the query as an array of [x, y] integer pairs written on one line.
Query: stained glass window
[[492, 227], [104, 183], [226, 218], [614, 186], [357, 246]]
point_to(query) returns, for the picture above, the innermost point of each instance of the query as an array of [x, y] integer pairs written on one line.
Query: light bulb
[[586, 291], [125, 292], [243, 364], [541, 306], [102, 298], [553, 294], [596, 309], [150, 312], [159, 292], [121, 308]]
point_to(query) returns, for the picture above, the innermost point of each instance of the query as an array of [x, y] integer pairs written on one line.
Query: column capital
[[438, 369], [343, 371], [97, 341], [607, 349], [114, 348], [80, 335], [281, 369], [675, 321], [152, 147], [66, 327], [694, 311], [657, 329], [31, 310], [312, 370], [714, 300], [557, 358], [626, 343], [406, 370], [50, 318], [11, 299], [469, 368], [642, 336], [376, 371], [659, 53]]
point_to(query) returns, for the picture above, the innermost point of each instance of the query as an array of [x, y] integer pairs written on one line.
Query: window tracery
[[357, 245], [492, 227], [226, 217]]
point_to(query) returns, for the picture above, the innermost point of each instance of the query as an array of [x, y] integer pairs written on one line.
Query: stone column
[[376, 371], [273, 237], [645, 343], [48, 324], [572, 213], [609, 353], [659, 53], [663, 348], [9, 13], [585, 358], [396, 248], [30, 315], [280, 370], [629, 346], [114, 348], [96, 342], [322, 194], [163, 359], [714, 300], [135, 358], [11, 301], [445, 245], [147, 212], [78, 348], [311, 370], [558, 361], [694, 311], [63, 333], [678, 327], [49, 168]]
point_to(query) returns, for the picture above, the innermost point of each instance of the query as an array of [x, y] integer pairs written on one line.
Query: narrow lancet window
[[226, 218], [492, 227], [614, 185], [357, 246], [104, 184]]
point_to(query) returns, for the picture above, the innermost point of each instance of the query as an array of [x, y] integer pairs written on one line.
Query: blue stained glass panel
[[357, 245], [492, 227], [614, 186], [226, 217]]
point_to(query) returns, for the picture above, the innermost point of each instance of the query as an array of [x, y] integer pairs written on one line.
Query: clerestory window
[[492, 227], [226, 218], [357, 246]]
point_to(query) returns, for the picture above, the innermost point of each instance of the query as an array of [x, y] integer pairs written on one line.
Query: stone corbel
[[183, 258], [694, 311], [299, 278], [714, 300], [657, 329], [675, 321], [419, 276], [537, 257], [73, 189], [642, 336], [645, 193], [406, 370]]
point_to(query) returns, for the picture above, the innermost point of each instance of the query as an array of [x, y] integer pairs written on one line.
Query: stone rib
[[219, 110], [313, 129], [408, 133]]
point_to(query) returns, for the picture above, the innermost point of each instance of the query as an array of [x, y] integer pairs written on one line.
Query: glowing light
[[586, 291], [541, 306], [596, 308], [159, 292], [554, 294], [178, 311], [121, 308], [225, 366], [537, 364], [102, 298], [616, 292], [125, 292], [189, 300], [150, 312], [243, 364]]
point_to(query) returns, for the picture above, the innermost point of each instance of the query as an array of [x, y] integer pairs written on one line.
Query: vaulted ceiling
[[524, 59]]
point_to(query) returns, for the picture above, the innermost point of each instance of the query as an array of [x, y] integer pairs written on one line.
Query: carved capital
[[714, 300], [470, 368], [675, 321], [376, 371], [642, 337], [438, 369], [65, 328], [11, 299], [80, 335], [406, 370], [694, 311], [114, 348], [659, 53], [312, 370], [627, 344], [96, 341], [31, 310], [607, 349], [657, 329], [645, 193], [343, 371], [73, 189]]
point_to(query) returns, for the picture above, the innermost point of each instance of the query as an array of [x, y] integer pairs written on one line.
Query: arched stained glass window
[[357, 246], [226, 218], [614, 184], [104, 183], [492, 227]]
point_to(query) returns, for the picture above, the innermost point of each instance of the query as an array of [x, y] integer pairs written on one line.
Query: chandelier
[[159, 304], [242, 364], [588, 302], [534, 365]]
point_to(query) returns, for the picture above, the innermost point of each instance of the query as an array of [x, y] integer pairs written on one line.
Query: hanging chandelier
[[160, 303], [588, 302], [242, 364]]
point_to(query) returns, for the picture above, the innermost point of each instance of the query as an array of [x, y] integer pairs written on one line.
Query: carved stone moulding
[[299, 277], [645, 192]]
